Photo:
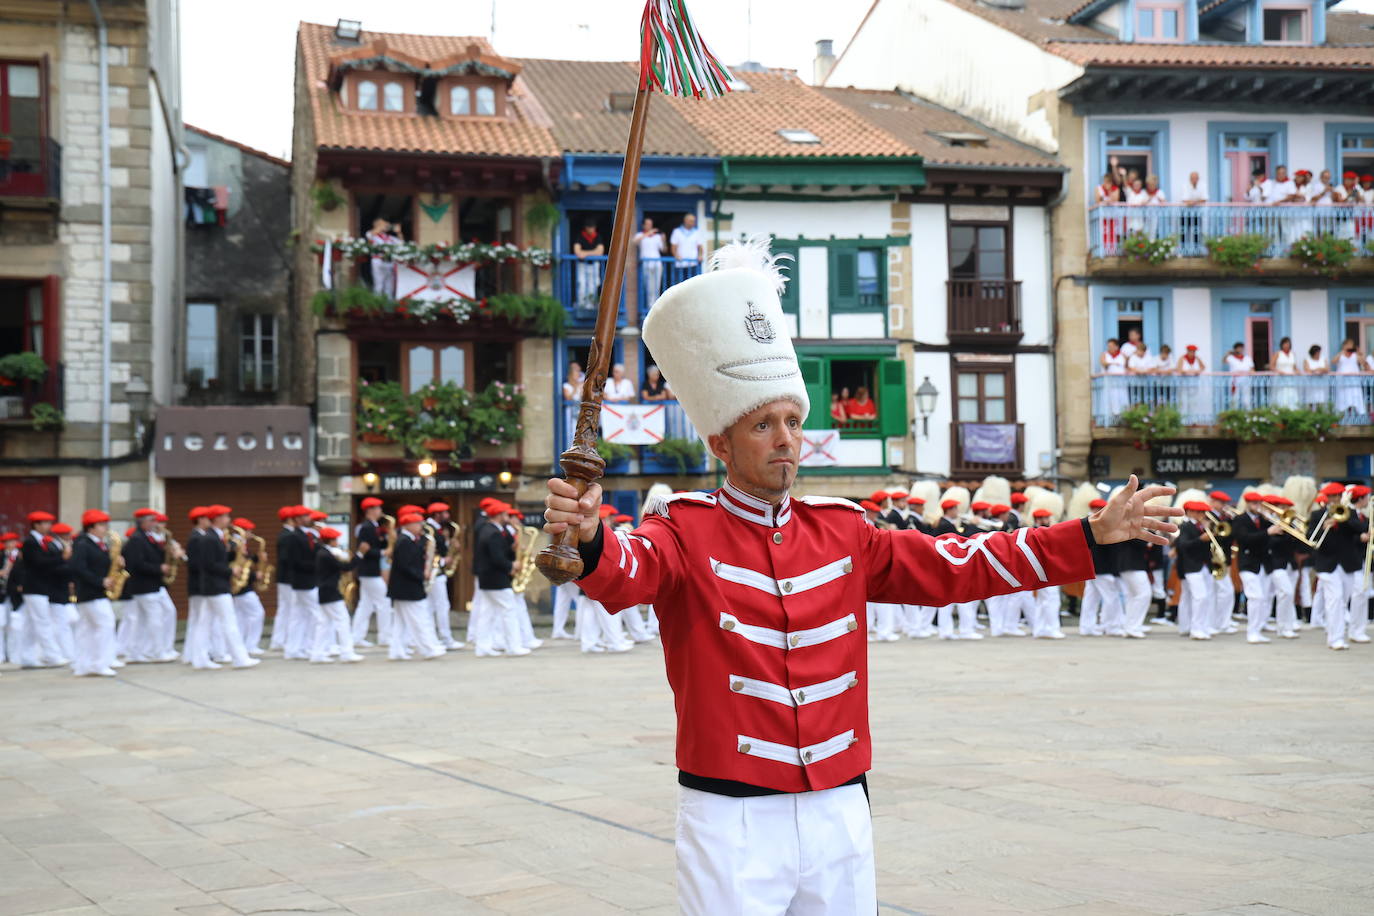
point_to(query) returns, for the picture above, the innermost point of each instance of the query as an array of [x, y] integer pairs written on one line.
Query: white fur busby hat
[[721, 340]]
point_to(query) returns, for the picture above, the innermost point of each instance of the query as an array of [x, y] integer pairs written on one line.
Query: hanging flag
[[327, 271], [820, 448], [674, 58], [632, 424], [429, 282]]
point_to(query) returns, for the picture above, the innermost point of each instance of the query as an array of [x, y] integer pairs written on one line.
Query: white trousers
[[598, 627], [1101, 610], [95, 637], [527, 638], [804, 854], [219, 627], [65, 617], [1257, 601], [1195, 604], [300, 626], [372, 600], [1357, 619], [282, 622], [41, 646], [249, 611], [502, 622], [1047, 603], [1136, 583], [1335, 605], [882, 619], [1224, 594], [1281, 585], [413, 622], [563, 598], [439, 607], [968, 619], [332, 629], [634, 624]]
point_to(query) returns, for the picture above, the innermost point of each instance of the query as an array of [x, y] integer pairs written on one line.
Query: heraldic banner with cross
[[633, 424]]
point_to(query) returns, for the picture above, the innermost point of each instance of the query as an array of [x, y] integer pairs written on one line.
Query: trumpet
[[117, 571], [977, 521], [521, 581], [1220, 527], [174, 557], [1339, 514]]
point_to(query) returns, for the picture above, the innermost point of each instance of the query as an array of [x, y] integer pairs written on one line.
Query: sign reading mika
[[233, 441]]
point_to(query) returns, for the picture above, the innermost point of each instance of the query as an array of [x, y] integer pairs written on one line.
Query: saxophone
[[529, 534], [430, 548], [264, 577], [348, 580], [117, 572], [242, 567], [455, 552], [174, 557]]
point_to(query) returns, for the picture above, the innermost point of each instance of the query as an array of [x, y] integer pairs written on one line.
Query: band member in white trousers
[[333, 630], [91, 572], [43, 559], [406, 589], [207, 564]]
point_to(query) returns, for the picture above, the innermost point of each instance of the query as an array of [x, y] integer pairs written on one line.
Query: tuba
[[175, 555], [528, 535], [242, 567], [348, 580], [117, 572]]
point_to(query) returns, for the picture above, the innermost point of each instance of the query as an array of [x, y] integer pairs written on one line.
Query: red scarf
[[590, 237]]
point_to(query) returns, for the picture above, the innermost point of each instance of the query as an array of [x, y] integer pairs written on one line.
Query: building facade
[[1210, 100], [90, 217]]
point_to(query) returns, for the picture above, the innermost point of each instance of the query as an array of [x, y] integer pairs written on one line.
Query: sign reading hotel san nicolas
[[1172, 460]]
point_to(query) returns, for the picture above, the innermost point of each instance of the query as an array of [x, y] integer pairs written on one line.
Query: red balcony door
[[1242, 165]]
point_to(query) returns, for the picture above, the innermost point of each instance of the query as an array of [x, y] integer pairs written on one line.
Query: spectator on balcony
[[655, 388], [651, 246], [1141, 362], [861, 409], [619, 389], [1153, 193], [1285, 190], [1116, 171], [1165, 362], [1113, 362], [1349, 191], [383, 270], [1108, 194], [1132, 344], [1241, 368], [1285, 363], [1367, 189], [688, 244], [1313, 364], [838, 417], [1136, 196], [1349, 392], [1194, 195], [1261, 188], [1321, 193], [1191, 367], [572, 385], [588, 244]]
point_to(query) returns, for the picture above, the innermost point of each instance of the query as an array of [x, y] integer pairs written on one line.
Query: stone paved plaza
[[1091, 777]]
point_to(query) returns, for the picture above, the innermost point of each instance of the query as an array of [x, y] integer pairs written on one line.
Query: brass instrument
[[526, 567], [984, 524], [430, 548], [455, 552], [175, 555], [392, 533], [1220, 527], [1287, 521], [242, 566], [348, 579], [117, 572], [265, 577], [1220, 567], [1339, 514], [1368, 548]]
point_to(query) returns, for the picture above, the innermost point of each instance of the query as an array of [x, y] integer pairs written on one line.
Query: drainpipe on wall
[[1050, 207], [102, 40]]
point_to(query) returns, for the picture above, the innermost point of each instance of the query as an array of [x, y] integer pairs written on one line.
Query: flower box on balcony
[[440, 445], [377, 439]]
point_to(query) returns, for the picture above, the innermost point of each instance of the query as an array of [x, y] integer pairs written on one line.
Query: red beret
[[500, 508], [329, 534], [144, 513], [869, 505], [917, 500], [1272, 499], [245, 523], [980, 506], [8, 536], [1196, 505], [1097, 503], [486, 501], [999, 509], [1252, 496], [93, 517], [897, 494], [878, 496], [949, 503], [1367, 178], [437, 507], [1333, 489], [317, 516], [1319, 498], [1349, 175], [61, 528], [299, 511], [1281, 500], [161, 517], [1359, 492], [605, 511], [1218, 494], [409, 518], [286, 512], [196, 512], [217, 509], [371, 502], [1018, 498], [1041, 513], [623, 519], [407, 509], [41, 516]]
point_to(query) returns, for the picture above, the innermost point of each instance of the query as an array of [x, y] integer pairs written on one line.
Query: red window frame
[[31, 183]]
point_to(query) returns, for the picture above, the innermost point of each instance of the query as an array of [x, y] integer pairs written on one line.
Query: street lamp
[[425, 468], [370, 479], [505, 478], [926, 396]]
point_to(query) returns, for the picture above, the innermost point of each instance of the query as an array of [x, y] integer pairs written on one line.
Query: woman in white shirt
[[1349, 396], [1242, 366], [619, 389], [1191, 367], [1285, 363], [1113, 363], [1136, 196], [1318, 392]]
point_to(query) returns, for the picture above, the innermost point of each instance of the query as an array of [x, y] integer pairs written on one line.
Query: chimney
[[825, 60]]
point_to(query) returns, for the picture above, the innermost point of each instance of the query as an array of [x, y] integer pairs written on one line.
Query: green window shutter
[[892, 397], [816, 377], [791, 294], [844, 279]]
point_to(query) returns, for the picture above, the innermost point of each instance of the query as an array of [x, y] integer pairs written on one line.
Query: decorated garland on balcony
[[540, 313], [1323, 254], [458, 252], [1273, 424], [1151, 423], [440, 417]]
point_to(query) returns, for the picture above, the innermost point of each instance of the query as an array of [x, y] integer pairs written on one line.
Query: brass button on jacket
[[777, 537]]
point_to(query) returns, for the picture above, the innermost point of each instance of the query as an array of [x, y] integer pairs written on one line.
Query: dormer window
[[1159, 21], [1287, 24], [367, 95], [393, 97], [486, 101], [460, 100]]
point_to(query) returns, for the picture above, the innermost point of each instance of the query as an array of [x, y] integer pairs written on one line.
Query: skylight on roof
[[798, 135], [959, 138]]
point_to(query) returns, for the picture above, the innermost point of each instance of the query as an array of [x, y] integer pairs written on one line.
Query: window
[[21, 318], [197, 172], [978, 251], [1357, 322], [1244, 157], [791, 293], [856, 279], [1356, 155], [1159, 21], [1287, 25], [486, 100], [202, 345], [798, 135], [437, 363], [258, 353], [959, 138], [1132, 151], [983, 395], [393, 97], [833, 384], [22, 120], [460, 100], [367, 95]]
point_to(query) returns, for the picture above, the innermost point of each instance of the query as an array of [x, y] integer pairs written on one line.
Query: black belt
[[734, 789]]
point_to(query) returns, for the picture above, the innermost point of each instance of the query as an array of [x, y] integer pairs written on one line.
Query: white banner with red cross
[[633, 424], [820, 448], [431, 282]]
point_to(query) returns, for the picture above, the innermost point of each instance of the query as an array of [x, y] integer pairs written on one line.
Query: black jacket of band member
[[368, 565], [1352, 557], [407, 580], [303, 576], [1129, 556], [90, 564], [207, 561], [946, 526], [1193, 551], [14, 585], [440, 541], [1282, 548], [894, 518], [43, 566], [1252, 537], [493, 556], [193, 573], [1328, 557], [286, 544], [143, 559], [328, 568]]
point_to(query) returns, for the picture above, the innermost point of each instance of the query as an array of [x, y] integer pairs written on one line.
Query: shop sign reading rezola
[[233, 441]]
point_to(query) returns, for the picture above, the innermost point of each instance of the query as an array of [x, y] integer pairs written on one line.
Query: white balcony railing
[[1199, 398], [1190, 227]]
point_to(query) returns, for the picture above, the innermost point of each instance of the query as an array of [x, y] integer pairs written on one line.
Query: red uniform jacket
[[761, 612]]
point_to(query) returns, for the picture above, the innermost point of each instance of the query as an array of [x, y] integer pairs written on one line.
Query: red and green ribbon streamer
[[674, 58]]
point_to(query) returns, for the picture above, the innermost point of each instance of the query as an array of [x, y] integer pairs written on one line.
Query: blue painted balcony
[[675, 426], [657, 274], [578, 282], [1199, 398], [1190, 227]]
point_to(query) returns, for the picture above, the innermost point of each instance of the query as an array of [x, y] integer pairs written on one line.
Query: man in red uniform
[[761, 601]]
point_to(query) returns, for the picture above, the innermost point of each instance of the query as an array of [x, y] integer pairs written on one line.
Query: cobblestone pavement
[[1097, 777]]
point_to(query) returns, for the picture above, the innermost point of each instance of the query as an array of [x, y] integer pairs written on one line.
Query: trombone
[[1220, 527], [1339, 513], [1287, 521], [1220, 568]]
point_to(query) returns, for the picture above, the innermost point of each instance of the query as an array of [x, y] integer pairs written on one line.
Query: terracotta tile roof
[[576, 96], [746, 123], [1112, 54], [526, 133], [917, 123]]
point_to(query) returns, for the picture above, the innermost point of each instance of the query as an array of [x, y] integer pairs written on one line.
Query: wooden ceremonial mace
[[582, 464]]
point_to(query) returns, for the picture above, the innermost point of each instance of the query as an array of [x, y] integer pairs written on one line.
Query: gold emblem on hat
[[758, 325]]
